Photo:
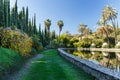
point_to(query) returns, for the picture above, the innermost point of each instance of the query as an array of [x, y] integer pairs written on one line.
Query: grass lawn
[[54, 67]]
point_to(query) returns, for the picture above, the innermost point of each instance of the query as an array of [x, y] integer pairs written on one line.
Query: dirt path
[[25, 69]]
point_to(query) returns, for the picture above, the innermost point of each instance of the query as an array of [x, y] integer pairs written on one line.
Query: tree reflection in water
[[107, 59]]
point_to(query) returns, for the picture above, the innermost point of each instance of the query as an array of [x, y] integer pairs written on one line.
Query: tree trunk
[[115, 34]]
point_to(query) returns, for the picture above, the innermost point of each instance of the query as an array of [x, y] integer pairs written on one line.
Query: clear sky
[[72, 12]]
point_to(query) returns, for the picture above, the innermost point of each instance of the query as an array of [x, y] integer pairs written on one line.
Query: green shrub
[[33, 51], [36, 43], [98, 42], [85, 43], [73, 40], [55, 43], [16, 40]]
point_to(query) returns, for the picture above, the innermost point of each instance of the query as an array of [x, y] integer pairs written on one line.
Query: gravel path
[[25, 69]]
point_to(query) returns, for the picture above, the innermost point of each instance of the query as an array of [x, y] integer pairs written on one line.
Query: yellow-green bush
[[16, 40]]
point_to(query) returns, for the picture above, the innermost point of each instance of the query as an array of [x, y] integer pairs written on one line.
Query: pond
[[107, 59]]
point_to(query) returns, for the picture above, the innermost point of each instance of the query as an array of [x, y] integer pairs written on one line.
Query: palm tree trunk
[[107, 37], [59, 37], [115, 33]]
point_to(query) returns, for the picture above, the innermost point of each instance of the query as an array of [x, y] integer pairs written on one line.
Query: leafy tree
[[82, 28], [86, 32]]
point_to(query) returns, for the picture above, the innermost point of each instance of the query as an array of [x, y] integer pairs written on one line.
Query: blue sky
[[72, 12]]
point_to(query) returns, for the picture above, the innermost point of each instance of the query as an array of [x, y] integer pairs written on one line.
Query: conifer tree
[[26, 23], [1, 13], [7, 13]]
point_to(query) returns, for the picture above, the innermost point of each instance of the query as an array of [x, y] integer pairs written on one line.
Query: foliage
[[72, 41], [9, 59], [98, 42], [82, 28], [85, 43], [111, 41], [47, 24], [60, 25], [56, 44], [15, 40], [33, 51], [65, 39], [36, 43]]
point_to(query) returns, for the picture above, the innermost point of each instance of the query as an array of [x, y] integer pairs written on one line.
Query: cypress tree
[[26, 23], [7, 13], [40, 33], [16, 14], [20, 21], [23, 19], [29, 28], [53, 35], [34, 25], [1, 13]]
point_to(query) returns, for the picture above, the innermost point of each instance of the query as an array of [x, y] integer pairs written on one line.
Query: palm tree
[[47, 24], [101, 30], [47, 27], [60, 25], [82, 28], [110, 14]]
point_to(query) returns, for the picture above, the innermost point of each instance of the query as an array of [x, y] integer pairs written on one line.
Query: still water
[[107, 59]]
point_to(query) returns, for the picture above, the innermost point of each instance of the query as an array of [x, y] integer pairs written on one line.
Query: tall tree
[[26, 20], [29, 28], [40, 32], [16, 14], [34, 25], [7, 13], [109, 14], [23, 19], [60, 25], [82, 28], [47, 24], [1, 13], [101, 32], [86, 32]]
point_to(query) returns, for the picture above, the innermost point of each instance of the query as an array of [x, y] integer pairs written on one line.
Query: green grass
[[9, 61], [53, 67]]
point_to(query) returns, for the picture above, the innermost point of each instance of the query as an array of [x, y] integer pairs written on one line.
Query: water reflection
[[107, 59]]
